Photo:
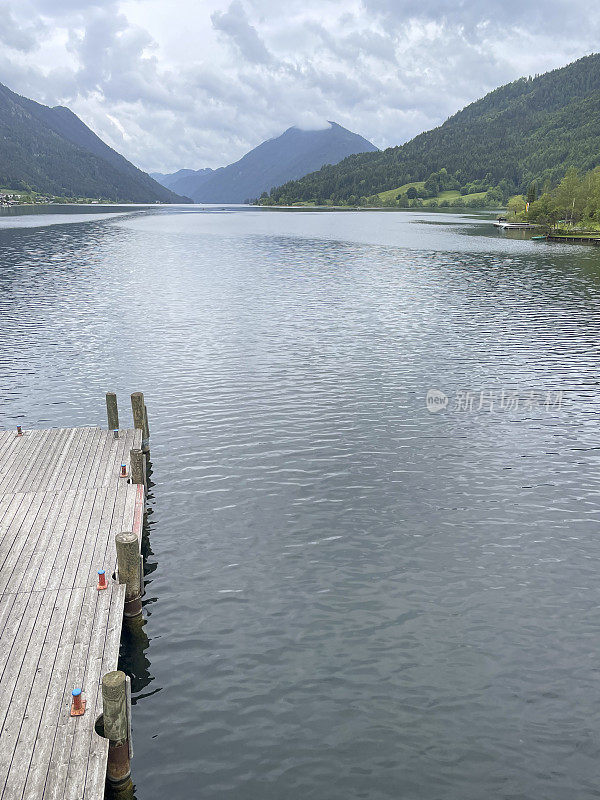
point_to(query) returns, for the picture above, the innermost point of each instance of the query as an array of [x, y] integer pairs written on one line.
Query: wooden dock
[[575, 239], [62, 501]]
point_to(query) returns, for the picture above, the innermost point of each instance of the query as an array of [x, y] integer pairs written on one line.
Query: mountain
[[284, 158], [531, 129], [172, 180], [188, 183], [50, 150]]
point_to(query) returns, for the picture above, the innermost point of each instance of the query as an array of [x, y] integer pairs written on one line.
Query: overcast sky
[[197, 83]]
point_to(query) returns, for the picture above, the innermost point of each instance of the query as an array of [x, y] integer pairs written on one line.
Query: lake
[[350, 592]]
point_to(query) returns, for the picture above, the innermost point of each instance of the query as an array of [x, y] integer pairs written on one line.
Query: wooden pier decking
[[62, 501], [595, 240]]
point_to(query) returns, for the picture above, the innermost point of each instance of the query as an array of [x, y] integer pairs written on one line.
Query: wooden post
[[112, 411], [114, 708], [128, 559], [137, 406], [140, 421], [128, 708], [138, 466]]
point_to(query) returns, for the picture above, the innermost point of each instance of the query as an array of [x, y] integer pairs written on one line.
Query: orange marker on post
[[78, 704]]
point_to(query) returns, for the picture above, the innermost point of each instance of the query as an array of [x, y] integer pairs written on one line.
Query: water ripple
[[347, 596]]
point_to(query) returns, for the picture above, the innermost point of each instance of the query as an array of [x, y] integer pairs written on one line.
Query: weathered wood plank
[[14, 612], [37, 461], [33, 476], [6, 441], [67, 725], [66, 456], [25, 516], [83, 478], [21, 447], [97, 560], [6, 603], [101, 459], [15, 501], [5, 501], [119, 453], [76, 471], [62, 502], [106, 553], [98, 746], [27, 455], [25, 625], [59, 481], [129, 511], [46, 555], [77, 566], [89, 446], [57, 698], [45, 518], [66, 561], [83, 739], [29, 716]]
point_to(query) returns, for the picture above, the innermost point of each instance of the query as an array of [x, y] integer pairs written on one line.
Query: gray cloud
[[234, 23], [188, 84], [18, 34], [473, 14]]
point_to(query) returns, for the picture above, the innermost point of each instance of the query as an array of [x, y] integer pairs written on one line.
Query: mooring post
[[114, 709], [138, 466], [128, 560], [140, 419], [112, 411], [146, 425]]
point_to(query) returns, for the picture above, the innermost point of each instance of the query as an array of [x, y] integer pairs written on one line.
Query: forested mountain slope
[[531, 129], [51, 150]]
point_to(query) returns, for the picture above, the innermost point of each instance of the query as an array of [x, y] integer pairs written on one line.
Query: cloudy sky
[[197, 83]]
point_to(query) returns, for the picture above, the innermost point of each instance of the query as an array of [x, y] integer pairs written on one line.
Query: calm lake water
[[347, 596]]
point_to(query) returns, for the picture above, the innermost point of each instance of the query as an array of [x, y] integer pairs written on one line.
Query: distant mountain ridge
[[50, 150], [188, 181], [171, 180], [529, 130], [287, 157]]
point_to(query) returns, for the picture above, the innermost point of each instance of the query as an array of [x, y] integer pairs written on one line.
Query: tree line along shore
[[573, 204]]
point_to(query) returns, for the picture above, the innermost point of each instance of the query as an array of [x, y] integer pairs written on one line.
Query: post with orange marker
[[77, 703]]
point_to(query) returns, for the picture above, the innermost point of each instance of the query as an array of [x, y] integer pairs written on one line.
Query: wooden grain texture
[[62, 502]]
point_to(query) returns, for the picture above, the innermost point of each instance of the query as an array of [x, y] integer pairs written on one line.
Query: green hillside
[[50, 150], [393, 194], [449, 197], [529, 130]]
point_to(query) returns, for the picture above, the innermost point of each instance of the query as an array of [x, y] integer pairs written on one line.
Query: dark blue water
[[347, 596]]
